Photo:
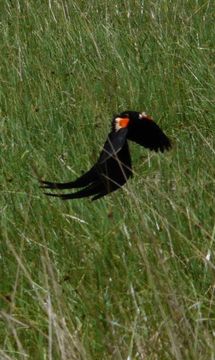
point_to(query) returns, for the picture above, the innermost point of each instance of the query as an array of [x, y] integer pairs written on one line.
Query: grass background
[[131, 276]]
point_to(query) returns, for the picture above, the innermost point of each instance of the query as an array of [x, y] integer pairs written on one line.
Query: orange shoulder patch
[[121, 123]]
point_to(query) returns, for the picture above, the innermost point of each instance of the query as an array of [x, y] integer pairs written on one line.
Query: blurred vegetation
[[130, 276]]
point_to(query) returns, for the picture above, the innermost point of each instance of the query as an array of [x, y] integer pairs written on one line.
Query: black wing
[[111, 171], [147, 133]]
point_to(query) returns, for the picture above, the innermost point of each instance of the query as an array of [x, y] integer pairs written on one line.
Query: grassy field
[[130, 276]]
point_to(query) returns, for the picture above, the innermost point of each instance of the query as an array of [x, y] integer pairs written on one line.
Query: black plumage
[[113, 167]]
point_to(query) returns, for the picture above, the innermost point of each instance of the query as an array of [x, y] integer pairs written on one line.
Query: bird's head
[[128, 118]]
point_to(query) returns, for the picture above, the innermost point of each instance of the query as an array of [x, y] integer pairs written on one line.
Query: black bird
[[113, 167]]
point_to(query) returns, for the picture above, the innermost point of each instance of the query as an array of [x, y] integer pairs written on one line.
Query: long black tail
[[84, 180], [96, 189]]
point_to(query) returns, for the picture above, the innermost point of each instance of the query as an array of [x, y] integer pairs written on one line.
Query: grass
[[130, 276]]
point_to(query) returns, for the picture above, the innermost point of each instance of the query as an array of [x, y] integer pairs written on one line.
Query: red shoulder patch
[[121, 123]]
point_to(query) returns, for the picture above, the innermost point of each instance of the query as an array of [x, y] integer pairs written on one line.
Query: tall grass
[[130, 276]]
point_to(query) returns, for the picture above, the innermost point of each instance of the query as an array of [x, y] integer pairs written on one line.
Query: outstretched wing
[[147, 133]]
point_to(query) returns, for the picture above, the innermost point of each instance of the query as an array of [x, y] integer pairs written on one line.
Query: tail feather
[[94, 189], [84, 180]]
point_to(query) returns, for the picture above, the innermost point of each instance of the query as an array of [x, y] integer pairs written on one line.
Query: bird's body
[[113, 167]]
